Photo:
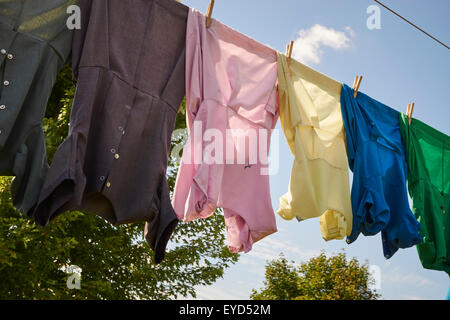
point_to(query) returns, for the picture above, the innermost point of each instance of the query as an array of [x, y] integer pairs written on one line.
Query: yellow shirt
[[311, 118]]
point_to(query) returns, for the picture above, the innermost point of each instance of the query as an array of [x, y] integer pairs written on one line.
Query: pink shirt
[[231, 83]]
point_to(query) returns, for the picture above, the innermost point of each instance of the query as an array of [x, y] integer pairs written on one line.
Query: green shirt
[[34, 44], [428, 157]]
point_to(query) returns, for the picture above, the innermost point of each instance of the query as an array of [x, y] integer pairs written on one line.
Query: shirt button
[[120, 128], [3, 51], [102, 178], [6, 83], [116, 156], [113, 150], [2, 107], [10, 56], [108, 184]]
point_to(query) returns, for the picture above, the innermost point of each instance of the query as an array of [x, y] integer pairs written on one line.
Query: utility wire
[[412, 24]]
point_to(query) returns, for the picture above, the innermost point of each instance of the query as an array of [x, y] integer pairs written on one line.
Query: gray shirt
[[34, 44], [129, 62]]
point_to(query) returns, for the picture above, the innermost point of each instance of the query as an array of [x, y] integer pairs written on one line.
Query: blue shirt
[[376, 156]]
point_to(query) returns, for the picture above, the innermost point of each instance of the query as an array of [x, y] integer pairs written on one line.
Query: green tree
[[321, 278], [116, 262]]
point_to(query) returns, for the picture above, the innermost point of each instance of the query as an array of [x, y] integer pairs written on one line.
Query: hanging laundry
[[34, 45], [231, 90], [129, 60], [310, 115], [428, 157], [377, 158]]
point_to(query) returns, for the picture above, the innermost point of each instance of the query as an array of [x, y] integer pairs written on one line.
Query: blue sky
[[399, 65]]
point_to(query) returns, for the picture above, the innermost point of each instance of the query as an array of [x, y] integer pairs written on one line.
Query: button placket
[[115, 149], [121, 129], [108, 184], [114, 152], [5, 82], [443, 201]]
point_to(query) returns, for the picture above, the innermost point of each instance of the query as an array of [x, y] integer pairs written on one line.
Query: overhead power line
[[415, 26]]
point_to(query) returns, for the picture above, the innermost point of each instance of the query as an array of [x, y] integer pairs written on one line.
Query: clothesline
[[414, 25]]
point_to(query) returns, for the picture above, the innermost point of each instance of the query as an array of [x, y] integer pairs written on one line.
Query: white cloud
[[308, 46]]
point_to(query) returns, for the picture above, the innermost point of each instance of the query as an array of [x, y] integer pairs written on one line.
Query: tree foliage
[[116, 262], [321, 278]]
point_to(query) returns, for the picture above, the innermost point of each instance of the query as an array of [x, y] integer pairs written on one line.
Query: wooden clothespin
[[209, 14], [356, 85], [409, 111], [289, 48]]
